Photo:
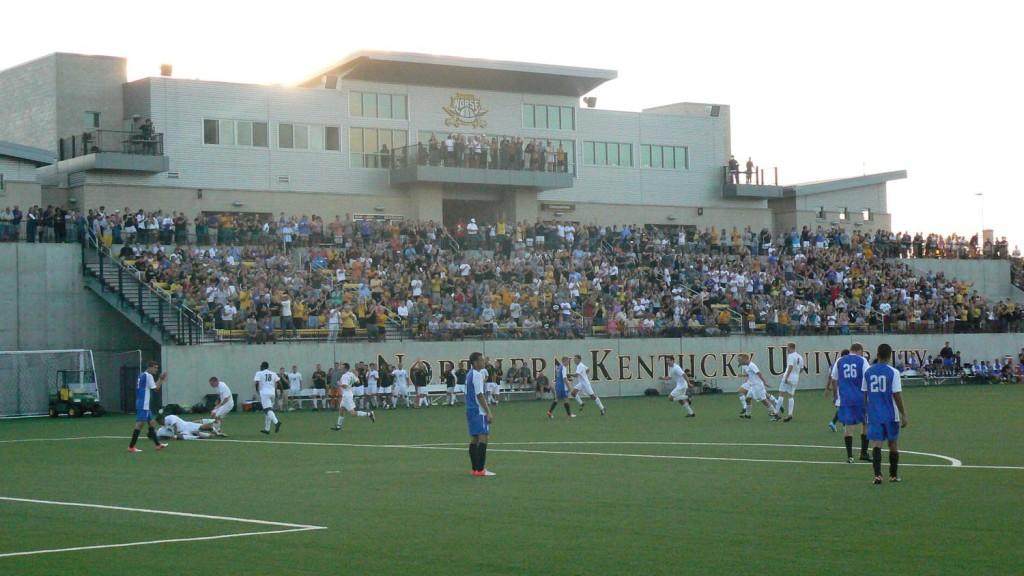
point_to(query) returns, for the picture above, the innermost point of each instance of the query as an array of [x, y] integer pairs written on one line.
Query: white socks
[[789, 407], [579, 399], [341, 420], [597, 400], [269, 418], [743, 402], [687, 406], [362, 413]]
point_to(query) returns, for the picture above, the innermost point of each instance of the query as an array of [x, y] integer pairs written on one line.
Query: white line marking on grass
[[334, 471], [19, 441], [288, 527]]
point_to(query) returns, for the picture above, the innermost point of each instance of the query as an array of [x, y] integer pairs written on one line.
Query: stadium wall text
[[617, 367]]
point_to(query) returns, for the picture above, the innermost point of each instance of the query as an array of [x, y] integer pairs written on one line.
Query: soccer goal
[[33, 382]]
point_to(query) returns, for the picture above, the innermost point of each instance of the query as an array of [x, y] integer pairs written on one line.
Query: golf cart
[[76, 393]]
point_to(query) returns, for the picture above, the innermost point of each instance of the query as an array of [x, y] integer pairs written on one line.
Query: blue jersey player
[[848, 376], [885, 413], [144, 388], [561, 387], [478, 415]]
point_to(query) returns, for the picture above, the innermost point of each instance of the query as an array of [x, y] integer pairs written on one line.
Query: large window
[[378, 105], [608, 154], [549, 117], [247, 133], [664, 157], [308, 137], [568, 146], [370, 147]]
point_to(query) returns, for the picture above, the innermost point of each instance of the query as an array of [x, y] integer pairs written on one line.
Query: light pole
[[981, 219]]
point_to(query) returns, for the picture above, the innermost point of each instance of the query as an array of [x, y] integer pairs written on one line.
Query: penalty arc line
[[288, 527]]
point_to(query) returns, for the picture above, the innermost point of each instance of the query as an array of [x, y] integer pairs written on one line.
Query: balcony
[[413, 164], [115, 150], [755, 184]]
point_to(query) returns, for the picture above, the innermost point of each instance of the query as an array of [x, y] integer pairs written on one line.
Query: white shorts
[[371, 390], [757, 392], [224, 409], [493, 388], [585, 388], [294, 389], [679, 393], [788, 388], [267, 401], [450, 389], [460, 388], [347, 402], [359, 390], [385, 390], [401, 390]]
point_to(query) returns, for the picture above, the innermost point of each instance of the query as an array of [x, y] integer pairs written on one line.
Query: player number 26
[[878, 383], [849, 371]]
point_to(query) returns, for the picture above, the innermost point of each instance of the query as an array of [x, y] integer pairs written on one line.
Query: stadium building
[[73, 132]]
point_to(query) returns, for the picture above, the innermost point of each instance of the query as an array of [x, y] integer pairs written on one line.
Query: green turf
[[393, 510]]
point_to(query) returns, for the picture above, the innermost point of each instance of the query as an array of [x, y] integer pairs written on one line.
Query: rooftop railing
[[121, 141]]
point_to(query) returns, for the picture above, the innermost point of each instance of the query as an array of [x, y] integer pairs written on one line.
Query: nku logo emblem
[[465, 110]]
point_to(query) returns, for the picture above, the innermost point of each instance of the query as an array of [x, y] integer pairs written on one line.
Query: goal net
[[29, 377]]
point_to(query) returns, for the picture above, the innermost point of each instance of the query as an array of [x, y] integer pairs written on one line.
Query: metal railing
[[755, 177], [484, 159], [175, 320], [123, 141]]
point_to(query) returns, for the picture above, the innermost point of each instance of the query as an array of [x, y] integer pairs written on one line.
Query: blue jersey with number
[[881, 381], [849, 373]]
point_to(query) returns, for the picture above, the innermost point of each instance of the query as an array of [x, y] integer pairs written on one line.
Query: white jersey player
[[681, 391], [754, 385], [401, 386], [347, 405], [787, 388], [174, 427], [225, 404], [582, 386], [266, 386], [372, 377]]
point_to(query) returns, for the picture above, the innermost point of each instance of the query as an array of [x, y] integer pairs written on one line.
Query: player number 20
[[878, 383]]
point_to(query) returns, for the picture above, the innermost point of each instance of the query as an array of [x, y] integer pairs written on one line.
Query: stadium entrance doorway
[[455, 211]]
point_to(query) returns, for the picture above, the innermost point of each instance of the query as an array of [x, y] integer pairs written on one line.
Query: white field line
[[953, 462], [288, 527]]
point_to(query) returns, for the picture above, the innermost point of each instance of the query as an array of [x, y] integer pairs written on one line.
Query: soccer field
[[639, 491]]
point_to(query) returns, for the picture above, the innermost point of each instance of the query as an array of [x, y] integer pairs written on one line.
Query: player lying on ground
[[172, 426], [680, 393], [143, 389], [883, 398], [846, 378]]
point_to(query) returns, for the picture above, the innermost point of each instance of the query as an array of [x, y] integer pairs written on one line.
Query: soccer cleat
[[486, 472], [133, 450], [832, 426], [895, 479], [694, 415], [865, 457], [267, 432], [603, 412], [878, 480], [849, 460], [161, 446], [787, 418], [776, 418], [475, 473], [744, 415], [373, 418], [747, 416], [336, 428], [572, 415], [550, 415], [742, 412], [277, 427]]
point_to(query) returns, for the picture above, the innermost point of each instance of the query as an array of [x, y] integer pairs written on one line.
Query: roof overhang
[[36, 156], [824, 186], [455, 72]]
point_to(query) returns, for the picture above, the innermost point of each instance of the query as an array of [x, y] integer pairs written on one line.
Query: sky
[[819, 89]]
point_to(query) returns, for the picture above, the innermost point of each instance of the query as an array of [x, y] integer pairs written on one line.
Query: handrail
[[185, 313], [452, 240]]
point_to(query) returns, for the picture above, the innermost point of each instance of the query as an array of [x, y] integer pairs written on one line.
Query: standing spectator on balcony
[[750, 169], [348, 323], [227, 316], [734, 170], [32, 224], [472, 234], [287, 321]]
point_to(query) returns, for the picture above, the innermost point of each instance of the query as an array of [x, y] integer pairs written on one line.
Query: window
[[308, 137], [211, 132], [244, 133], [608, 154], [666, 157], [250, 133], [375, 105], [92, 120], [227, 132], [366, 145], [260, 136], [549, 117]]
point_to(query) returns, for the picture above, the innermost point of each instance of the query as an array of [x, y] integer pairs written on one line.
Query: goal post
[[29, 377]]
